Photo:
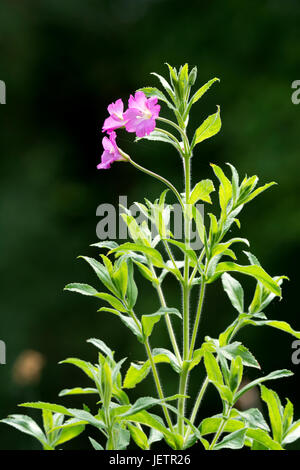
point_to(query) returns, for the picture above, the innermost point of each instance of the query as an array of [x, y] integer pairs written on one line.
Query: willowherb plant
[[222, 358]]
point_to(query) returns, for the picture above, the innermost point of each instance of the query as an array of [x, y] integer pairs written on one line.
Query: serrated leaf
[[138, 436], [27, 425], [263, 438], [202, 192], [40, 405], [234, 440], [212, 369], [153, 254], [203, 90], [254, 271], [274, 407], [208, 128], [83, 365], [277, 374], [148, 321], [235, 349]]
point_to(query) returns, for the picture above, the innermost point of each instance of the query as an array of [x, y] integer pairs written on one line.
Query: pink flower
[[141, 114], [111, 152], [116, 119]]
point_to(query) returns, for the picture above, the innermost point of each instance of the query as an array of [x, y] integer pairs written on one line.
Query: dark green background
[[63, 62]]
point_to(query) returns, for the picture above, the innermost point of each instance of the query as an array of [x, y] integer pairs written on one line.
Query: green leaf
[[212, 368], [288, 416], [151, 253], [208, 128], [199, 224], [280, 325], [278, 374], [150, 420], [69, 432], [255, 193], [131, 324], [234, 440], [202, 191], [145, 403], [101, 272], [132, 291], [234, 291], [83, 415], [77, 391], [186, 250], [26, 425], [253, 419], [120, 278], [254, 271], [138, 436], [83, 289], [166, 85], [113, 301], [138, 372], [148, 321], [263, 438], [102, 346], [275, 411], [110, 245], [145, 271], [225, 190], [160, 136], [211, 425], [95, 444], [155, 92], [236, 373], [293, 433], [40, 405], [166, 356], [203, 90], [83, 365], [233, 350]]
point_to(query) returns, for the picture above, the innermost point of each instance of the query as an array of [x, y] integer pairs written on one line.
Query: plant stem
[[158, 177], [158, 385], [220, 430], [186, 298], [167, 318], [154, 370], [197, 320], [181, 131]]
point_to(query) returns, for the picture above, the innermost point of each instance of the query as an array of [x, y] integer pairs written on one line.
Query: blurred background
[[63, 63]]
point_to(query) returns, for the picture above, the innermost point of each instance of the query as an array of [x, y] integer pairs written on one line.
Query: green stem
[[220, 430], [158, 385], [171, 136], [154, 370], [167, 318], [197, 320], [186, 299], [181, 131], [158, 177]]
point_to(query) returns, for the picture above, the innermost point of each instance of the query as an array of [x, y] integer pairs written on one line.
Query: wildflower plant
[[224, 358]]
